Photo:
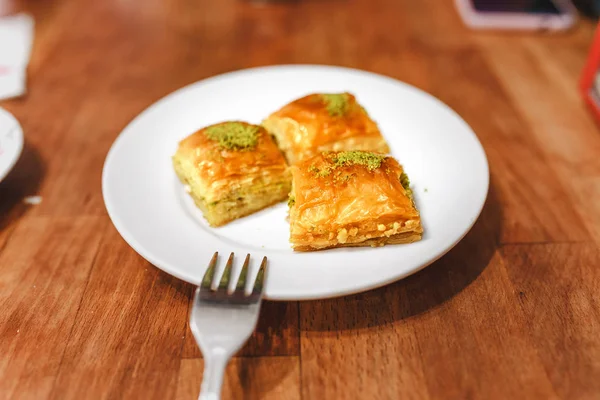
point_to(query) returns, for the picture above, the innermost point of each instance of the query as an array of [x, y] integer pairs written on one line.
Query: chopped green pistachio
[[336, 103], [318, 172], [234, 135], [405, 182], [346, 178], [370, 160], [291, 201]]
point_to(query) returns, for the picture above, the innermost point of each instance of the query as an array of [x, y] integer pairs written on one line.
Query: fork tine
[[260, 277], [241, 283], [210, 272], [227, 273]]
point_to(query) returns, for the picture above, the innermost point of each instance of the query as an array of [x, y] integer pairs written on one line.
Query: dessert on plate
[[351, 198], [231, 170], [324, 122]]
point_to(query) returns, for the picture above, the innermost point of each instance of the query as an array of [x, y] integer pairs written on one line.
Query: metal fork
[[222, 321]]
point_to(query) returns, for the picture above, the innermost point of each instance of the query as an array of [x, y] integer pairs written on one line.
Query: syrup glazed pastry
[[231, 170], [351, 198], [324, 122]]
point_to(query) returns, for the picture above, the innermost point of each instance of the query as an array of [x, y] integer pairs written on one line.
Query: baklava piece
[[324, 122], [351, 198], [231, 170]]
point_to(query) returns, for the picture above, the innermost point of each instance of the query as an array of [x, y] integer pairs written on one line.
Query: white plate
[[11, 142], [441, 154]]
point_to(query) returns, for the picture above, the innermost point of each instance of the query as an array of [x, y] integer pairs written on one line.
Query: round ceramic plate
[[440, 153], [11, 142]]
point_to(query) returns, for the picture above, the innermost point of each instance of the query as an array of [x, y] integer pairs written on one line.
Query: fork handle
[[212, 379]]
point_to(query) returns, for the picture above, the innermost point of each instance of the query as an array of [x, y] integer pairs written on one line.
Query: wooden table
[[512, 312]]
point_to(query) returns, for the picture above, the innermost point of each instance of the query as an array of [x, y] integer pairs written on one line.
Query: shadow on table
[[418, 293], [24, 180]]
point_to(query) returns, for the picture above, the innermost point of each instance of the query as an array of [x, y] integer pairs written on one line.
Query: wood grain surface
[[512, 312]]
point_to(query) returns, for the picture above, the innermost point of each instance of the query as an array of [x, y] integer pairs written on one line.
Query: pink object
[[495, 19]]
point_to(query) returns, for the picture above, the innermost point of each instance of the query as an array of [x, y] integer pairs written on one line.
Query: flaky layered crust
[[400, 238], [352, 205], [229, 183], [305, 128]]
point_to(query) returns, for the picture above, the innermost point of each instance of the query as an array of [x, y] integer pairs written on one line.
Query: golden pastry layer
[[324, 122], [232, 169], [351, 198]]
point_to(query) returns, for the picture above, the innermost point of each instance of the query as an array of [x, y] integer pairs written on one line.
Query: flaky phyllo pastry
[[324, 122], [232, 169], [351, 198]]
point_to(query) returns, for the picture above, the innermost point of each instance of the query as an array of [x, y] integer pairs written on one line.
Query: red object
[[589, 85]]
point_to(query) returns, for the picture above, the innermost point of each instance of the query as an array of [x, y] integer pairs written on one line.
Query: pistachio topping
[[234, 135], [336, 103], [370, 160], [320, 172], [405, 182]]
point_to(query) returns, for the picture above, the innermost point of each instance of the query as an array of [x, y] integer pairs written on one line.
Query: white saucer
[[11, 142], [441, 154]]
